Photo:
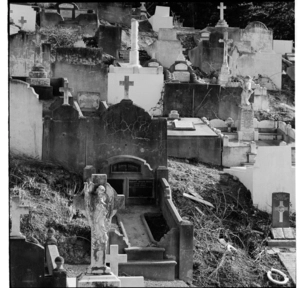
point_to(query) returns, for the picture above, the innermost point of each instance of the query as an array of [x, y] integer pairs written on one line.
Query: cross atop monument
[[281, 209], [66, 89], [221, 7], [114, 258], [17, 209], [126, 83], [22, 21], [226, 41]]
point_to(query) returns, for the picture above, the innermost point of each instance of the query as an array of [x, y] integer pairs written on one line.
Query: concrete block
[[132, 281]]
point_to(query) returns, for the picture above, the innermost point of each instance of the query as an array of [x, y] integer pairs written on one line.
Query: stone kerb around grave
[[25, 120]]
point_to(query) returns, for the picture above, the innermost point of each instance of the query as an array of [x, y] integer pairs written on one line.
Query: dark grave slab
[[44, 92], [280, 209], [26, 263]]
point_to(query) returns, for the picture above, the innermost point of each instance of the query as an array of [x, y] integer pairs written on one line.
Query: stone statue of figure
[[247, 91], [99, 205]]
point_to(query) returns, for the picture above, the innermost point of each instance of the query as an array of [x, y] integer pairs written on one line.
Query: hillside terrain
[[234, 220]]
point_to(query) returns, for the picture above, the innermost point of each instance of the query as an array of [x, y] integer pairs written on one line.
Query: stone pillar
[[134, 51], [186, 242], [246, 125]]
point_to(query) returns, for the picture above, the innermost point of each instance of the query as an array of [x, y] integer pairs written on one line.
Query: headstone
[[66, 10], [17, 209], [161, 18], [280, 209], [24, 16], [88, 101], [174, 114], [222, 22], [181, 66], [114, 258]]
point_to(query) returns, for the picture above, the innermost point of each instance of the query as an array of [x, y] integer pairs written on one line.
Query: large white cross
[[281, 208], [221, 7], [114, 258], [16, 211], [66, 89]]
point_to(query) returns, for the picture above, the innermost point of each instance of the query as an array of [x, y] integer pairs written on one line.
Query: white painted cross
[[66, 91], [16, 211], [22, 21], [114, 258], [221, 7], [281, 208], [126, 83]]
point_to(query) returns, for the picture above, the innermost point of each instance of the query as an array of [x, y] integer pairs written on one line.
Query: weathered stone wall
[[21, 54], [25, 120], [203, 148], [122, 129], [196, 100], [83, 68]]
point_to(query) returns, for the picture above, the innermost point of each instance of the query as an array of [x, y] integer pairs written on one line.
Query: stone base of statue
[[245, 127], [224, 75], [107, 279]]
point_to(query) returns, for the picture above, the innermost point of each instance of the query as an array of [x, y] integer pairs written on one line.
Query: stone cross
[[66, 89], [22, 21], [280, 209], [226, 41], [126, 83], [221, 7], [114, 258], [16, 211]]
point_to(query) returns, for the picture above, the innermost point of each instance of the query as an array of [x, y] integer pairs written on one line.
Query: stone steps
[[144, 253], [163, 270]]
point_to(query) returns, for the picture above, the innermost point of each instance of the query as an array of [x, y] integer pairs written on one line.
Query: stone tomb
[[161, 18], [88, 101], [181, 72], [246, 126]]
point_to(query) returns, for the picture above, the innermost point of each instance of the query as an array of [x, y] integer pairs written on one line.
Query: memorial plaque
[[184, 125], [182, 76], [181, 66], [140, 188], [280, 209], [66, 14], [89, 101], [124, 54], [38, 81], [99, 179], [247, 117]]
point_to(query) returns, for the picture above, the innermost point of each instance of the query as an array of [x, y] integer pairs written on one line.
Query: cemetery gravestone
[[161, 18], [280, 209], [67, 10]]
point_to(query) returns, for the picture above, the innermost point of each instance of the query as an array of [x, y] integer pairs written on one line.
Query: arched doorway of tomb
[[131, 176]]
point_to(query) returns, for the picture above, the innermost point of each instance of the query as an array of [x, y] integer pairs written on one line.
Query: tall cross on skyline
[[22, 21], [66, 89], [222, 8], [281, 209], [126, 83]]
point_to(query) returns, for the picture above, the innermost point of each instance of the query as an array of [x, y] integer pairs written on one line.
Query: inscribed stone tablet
[[247, 117], [182, 76], [153, 64], [280, 209], [140, 188], [88, 101], [181, 66], [162, 11]]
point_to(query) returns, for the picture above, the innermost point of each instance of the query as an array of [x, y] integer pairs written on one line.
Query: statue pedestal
[[106, 279], [38, 76], [224, 75], [245, 127]]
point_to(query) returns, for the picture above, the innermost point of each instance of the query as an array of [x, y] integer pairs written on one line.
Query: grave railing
[[184, 253]]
